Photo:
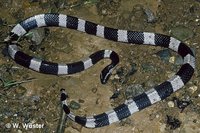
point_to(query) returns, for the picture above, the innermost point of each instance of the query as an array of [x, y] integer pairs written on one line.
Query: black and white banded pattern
[[131, 106]]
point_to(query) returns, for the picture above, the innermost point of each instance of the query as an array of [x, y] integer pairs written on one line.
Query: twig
[[62, 121], [12, 83]]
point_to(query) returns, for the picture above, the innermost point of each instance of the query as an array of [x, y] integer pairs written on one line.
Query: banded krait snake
[[130, 106]]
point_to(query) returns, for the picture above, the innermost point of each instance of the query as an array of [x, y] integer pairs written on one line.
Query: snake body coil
[[131, 106]]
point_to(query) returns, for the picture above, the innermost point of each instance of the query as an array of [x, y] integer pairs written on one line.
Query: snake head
[[105, 73]]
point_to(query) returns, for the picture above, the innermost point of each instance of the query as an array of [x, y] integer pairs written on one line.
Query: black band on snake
[[130, 106]]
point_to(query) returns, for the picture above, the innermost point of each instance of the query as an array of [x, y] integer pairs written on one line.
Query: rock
[[147, 67], [81, 101], [150, 15], [193, 89], [149, 84], [121, 75], [170, 74], [133, 69], [182, 33], [115, 94], [115, 77], [178, 60], [94, 90], [164, 55], [35, 99], [74, 105], [134, 90], [171, 104], [97, 101], [120, 72], [126, 121], [76, 127], [152, 116], [36, 35], [172, 59], [162, 128], [173, 123]]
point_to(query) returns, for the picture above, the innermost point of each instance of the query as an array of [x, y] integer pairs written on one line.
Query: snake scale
[[130, 106]]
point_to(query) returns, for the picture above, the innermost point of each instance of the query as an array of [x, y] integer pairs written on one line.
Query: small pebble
[[35, 98], [172, 59], [150, 15], [153, 116], [146, 67], [162, 128], [164, 55], [126, 121], [97, 101], [193, 89], [116, 77], [74, 105], [149, 84], [81, 101], [115, 95], [170, 74], [104, 12], [94, 90], [171, 104]]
